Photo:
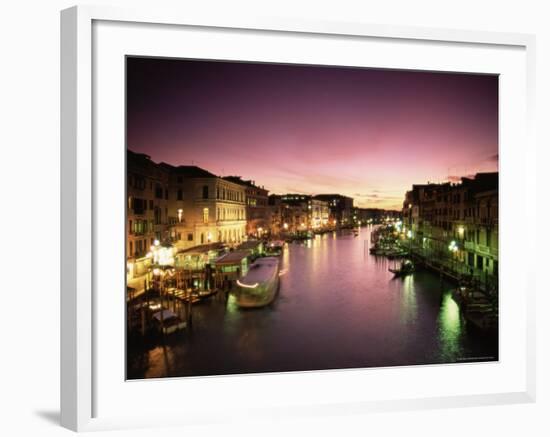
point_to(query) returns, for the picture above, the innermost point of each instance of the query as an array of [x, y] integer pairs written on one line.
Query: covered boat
[[259, 287], [275, 248], [406, 268], [168, 321]]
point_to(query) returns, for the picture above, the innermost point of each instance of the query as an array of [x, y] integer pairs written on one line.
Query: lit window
[[205, 215]]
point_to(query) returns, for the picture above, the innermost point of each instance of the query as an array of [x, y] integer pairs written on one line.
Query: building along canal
[[338, 307]]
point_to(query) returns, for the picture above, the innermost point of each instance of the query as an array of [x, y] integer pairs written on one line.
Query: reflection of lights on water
[[450, 313], [409, 311], [408, 282], [449, 328], [231, 305]]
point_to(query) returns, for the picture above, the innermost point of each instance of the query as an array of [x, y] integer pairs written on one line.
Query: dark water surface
[[338, 307]]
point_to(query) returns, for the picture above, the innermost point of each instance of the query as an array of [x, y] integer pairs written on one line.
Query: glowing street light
[[161, 255], [453, 247]]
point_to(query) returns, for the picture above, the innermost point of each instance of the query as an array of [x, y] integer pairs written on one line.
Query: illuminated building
[[204, 208], [146, 210], [457, 222], [257, 211]]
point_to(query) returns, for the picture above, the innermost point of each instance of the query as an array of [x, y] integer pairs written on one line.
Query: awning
[[231, 258]]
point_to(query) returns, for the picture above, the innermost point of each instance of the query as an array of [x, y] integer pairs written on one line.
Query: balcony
[[230, 222], [483, 249], [173, 221]]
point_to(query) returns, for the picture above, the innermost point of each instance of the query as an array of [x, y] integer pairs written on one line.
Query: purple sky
[[368, 134]]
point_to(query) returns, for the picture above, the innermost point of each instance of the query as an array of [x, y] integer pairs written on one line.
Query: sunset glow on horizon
[[364, 133]]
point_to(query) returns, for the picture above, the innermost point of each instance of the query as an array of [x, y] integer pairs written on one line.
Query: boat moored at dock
[[406, 268], [260, 285], [275, 248], [168, 322], [478, 308]]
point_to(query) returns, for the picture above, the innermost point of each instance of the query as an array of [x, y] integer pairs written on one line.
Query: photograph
[[296, 217]]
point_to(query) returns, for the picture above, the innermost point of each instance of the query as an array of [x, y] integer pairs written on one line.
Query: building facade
[[257, 208], [185, 206], [147, 194], [341, 208], [204, 208], [456, 224], [364, 216], [297, 213]]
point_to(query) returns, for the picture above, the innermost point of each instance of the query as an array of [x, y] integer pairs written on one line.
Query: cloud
[[371, 196], [374, 196]]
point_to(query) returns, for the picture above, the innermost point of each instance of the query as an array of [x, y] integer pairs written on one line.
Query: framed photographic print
[[291, 218]]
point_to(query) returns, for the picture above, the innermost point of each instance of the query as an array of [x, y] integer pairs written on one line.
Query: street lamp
[[453, 248], [162, 259], [409, 236]]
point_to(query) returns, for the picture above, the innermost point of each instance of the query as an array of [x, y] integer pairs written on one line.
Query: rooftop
[[234, 257], [189, 171], [204, 248]]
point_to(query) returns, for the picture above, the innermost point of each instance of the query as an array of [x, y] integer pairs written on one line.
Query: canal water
[[337, 307]]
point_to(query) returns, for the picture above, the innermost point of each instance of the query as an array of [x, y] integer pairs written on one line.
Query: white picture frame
[[79, 221]]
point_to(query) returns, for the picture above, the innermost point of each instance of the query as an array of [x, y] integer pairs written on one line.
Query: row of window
[[222, 194], [138, 205], [253, 201], [225, 194], [458, 214], [140, 226], [223, 236], [482, 263], [486, 238], [139, 182], [140, 248], [230, 214]]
